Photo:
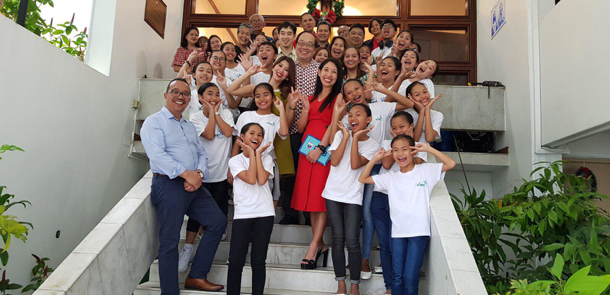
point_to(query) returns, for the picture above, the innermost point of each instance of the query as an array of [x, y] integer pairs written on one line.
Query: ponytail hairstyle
[[246, 127], [204, 87], [336, 88], [403, 137]]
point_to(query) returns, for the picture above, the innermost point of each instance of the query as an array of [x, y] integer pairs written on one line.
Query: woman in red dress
[[317, 120]]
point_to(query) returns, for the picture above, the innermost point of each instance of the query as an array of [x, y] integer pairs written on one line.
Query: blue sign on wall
[[498, 17]]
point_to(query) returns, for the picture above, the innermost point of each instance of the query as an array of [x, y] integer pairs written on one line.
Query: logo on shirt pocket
[[271, 123], [378, 118], [423, 184]]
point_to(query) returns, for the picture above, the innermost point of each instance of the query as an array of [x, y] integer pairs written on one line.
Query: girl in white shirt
[[214, 125], [428, 121], [387, 73], [409, 191], [423, 73], [254, 212], [233, 69], [343, 192], [202, 73]]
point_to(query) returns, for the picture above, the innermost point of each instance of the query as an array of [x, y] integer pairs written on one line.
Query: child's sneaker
[[184, 258], [224, 236]]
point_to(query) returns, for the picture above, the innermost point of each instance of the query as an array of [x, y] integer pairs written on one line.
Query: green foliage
[[579, 283], [552, 214], [40, 273], [61, 35]]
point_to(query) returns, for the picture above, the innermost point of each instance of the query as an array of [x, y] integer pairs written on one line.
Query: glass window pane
[[438, 7], [442, 45], [220, 7], [450, 79], [352, 7], [223, 33]]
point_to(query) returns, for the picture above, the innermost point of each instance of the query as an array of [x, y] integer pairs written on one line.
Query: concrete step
[[153, 288], [289, 277], [279, 253]]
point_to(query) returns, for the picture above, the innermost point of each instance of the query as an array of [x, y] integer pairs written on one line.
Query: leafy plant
[[554, 213], [579, 283], [40, 273], [61, 35]]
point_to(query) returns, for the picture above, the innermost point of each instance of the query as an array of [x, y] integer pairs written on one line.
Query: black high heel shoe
[[313, 263]]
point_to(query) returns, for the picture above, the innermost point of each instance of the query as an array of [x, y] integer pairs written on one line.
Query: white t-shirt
[[437, 121], [270, 123], [218, 149], [259, 78], [234, 73], [381, 52], [194, 105], [427, 82], [379, 96], [342, 184], [256, 61], [251, 200], [409, 198], [381, 113], [386, 145]]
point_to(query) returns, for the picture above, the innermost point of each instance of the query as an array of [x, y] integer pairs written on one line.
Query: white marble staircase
[[287, 247]]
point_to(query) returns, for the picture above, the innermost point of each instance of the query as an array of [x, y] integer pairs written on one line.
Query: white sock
[[188, 246]]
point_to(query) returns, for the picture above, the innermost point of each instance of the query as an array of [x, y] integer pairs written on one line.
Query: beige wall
[[601, 170]]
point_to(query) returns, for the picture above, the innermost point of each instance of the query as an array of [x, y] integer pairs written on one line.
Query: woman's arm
[[283, 132]]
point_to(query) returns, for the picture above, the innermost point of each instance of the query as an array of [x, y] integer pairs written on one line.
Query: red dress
[[311, 178]]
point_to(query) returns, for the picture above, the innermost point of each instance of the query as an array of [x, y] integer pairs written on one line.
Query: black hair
[[199, 63], [410, 88], [269, 44], [365, 45], [209, 49], [410, 34], [288, 25], [336, 88], [367, 109], [264, 85], [246, 127], [404, 114], [205, 86], [325, 23], [332, 42], [184, 43], [389, 21], [174, 80], [357, 26], [306, 13], [301, 33], [437, 68], [416, 44], [352, 80], [396, 62], [416, 56], [223, 53], [222, 47], [378, 20], [359, 72], [403, 137]]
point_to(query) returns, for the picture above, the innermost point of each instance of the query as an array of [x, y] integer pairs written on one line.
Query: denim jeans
[[171, 202], [380, 209], [345, 229], [408, 257], [368, 227], [245, 231]]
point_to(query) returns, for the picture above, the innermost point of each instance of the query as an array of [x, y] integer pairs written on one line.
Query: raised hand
[[254, 70], [221, 80], [420, 147], [245, 62], [380, 154], [248, 151], [343, 129], [340, 105], [375, 86], [305, 101], [358, 134], [378, 60], [409, 131], [278, 104], [262, 148], [418, 106], [367, 68], [192, 56], [392, 133], [394, 51], [217, 107], [429, 106], [407, 75], [293, 98]]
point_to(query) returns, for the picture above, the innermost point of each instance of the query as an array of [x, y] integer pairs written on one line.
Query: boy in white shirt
[[343, 193], [428, 121], [388, 29], [254, 212], [409, 191]]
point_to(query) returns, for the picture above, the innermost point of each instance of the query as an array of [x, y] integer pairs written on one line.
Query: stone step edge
[[154, 286]]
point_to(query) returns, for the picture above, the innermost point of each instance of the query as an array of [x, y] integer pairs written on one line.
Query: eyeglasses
[[412, 49], [175, 93], [216, 58], [309, 45], [387, 26]]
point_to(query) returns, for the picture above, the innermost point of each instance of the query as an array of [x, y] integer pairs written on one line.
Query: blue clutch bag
[[311, 143]]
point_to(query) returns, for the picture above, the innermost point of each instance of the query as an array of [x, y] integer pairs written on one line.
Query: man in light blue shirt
[[179, 163]]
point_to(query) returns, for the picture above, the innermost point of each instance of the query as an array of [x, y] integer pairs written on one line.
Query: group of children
[[377, 141]]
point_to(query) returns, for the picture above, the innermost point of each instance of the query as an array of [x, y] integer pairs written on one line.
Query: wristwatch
[[217, 114], [322, 148], [200, 174]]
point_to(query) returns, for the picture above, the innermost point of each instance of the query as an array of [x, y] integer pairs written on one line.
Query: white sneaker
[[224, 236], [378, 269], [184, 258], [365, 275]]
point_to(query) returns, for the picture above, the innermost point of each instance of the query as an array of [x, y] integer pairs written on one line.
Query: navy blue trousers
[[172, 203]]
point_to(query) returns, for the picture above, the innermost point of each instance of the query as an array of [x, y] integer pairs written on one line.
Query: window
[[451, 79], [352, 7], [225, 34], [438, 7], [442, 45], [220, 7]]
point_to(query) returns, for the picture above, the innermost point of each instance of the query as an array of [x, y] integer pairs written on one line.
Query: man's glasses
[[175, 93]]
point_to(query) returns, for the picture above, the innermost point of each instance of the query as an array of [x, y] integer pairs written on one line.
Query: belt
[[158, 174]]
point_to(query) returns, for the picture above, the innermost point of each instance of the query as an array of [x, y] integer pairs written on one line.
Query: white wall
[[480, 181], [505, 59], [72, 122], [574, 66], [596, 146]]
